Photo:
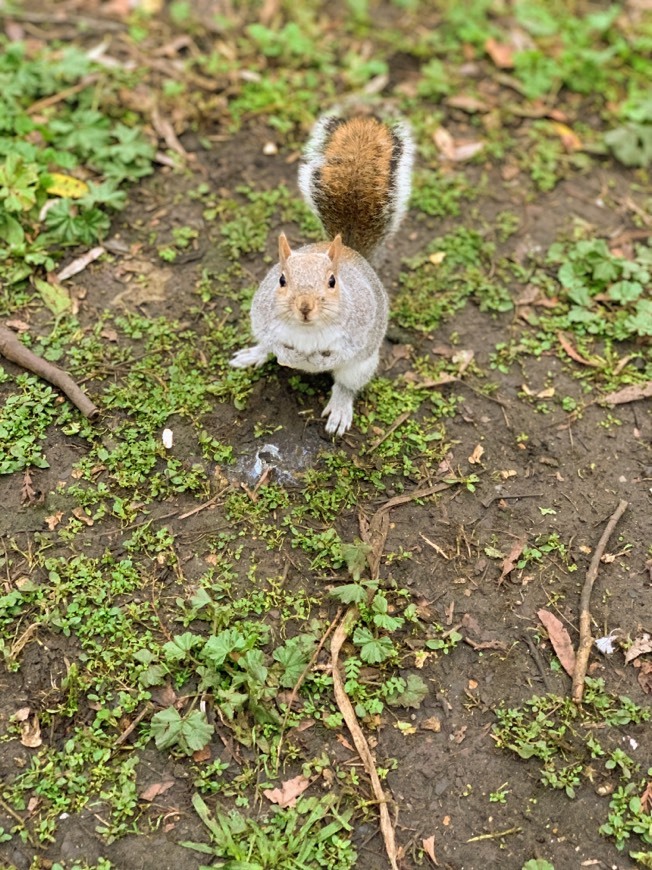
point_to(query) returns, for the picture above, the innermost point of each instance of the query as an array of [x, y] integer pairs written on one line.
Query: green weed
[[46, 152]]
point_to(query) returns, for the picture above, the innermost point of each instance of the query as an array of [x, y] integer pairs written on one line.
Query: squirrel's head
[[308, 291]]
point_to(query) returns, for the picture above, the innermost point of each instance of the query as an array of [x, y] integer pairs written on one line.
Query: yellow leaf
[[437, 258], [570, 140], [404, 728], [66, 186]]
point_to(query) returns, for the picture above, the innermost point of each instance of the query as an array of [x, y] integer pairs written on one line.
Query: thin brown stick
[[52, 100], [376, 533], [348, 714], [21, 821], [202, 507], [16, 352], [586, 641], [130, 728], [398, 422]]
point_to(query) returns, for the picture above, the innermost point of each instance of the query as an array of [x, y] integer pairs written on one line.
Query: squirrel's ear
[[284, 250], [335, 250]]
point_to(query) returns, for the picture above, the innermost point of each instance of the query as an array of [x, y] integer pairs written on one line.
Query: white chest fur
[[307, 348]]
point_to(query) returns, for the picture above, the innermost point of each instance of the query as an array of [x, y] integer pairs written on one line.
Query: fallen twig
[[16, 352], [496, 835], [22, 822], [348, 714], [398, 422], [376, 533], [538, 661], [202, 507], [586, 641], [139, 718]]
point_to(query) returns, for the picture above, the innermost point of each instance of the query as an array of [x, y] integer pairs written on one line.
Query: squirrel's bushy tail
[[356, 176]]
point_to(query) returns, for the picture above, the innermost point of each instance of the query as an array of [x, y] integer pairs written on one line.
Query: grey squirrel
[[323, 307]]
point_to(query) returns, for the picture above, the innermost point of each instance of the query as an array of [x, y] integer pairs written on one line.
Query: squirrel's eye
[[282, 280], [331, 281]]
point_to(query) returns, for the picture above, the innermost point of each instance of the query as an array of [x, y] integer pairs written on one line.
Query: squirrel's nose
[[305, 308]]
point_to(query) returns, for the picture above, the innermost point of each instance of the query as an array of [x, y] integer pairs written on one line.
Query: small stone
[[270, 148]]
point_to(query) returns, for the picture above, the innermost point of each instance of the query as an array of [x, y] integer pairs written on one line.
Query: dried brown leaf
[[560, 640], [645, 677], [27, 491], [509, 563], [53, 520], [573, 354], [17, 325], [82, 516], [641, 645], [287, 794], [199, 756], [444, 142], [467, 103], [30, 733], [79, 264], [466, 150], [429, 848], [155, 789], [634, 393], [501, 53], [459, 735], [570, 140]]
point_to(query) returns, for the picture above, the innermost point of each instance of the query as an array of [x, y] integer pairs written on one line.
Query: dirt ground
[[565, 478]]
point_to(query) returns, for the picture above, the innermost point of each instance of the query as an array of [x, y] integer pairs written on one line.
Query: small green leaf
[[493, 553], [631, 144], [625, 291], [372, 650], [644, 859], [166, 727], [11, 231], [355, 556], [641, 322], [55, 297], [294, 655], [350, 593], [189, 733], [218, 647], [177, 649], [18, 183], [413, 694]]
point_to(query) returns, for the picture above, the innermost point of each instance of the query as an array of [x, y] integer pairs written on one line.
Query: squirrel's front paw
[[340, 415], [249, 356]]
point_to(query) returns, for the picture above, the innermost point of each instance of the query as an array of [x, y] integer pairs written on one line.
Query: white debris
[[168, 438], [606, 644]]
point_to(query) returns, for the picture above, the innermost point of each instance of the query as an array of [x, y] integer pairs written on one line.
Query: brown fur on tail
[[357, 179]]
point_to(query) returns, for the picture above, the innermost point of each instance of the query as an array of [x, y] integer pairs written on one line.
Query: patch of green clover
[[601, 294]]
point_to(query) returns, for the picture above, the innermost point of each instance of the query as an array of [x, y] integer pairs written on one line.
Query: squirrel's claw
[[340, 415], [249, 356]]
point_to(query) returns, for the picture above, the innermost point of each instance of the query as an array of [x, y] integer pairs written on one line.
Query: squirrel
[[323, 307]]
